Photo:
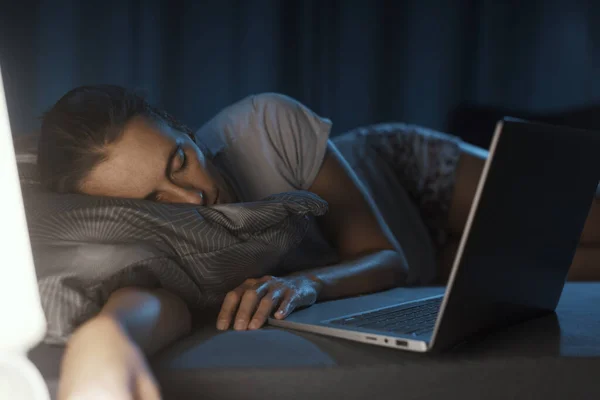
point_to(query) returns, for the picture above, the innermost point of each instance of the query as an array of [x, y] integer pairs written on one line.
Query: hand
[[251, 303], [101, 362]]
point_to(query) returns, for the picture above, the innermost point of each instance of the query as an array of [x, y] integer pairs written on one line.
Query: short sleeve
[[269, 143], [298, 136]]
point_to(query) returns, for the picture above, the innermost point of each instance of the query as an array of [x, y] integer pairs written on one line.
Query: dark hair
[[77, 129]]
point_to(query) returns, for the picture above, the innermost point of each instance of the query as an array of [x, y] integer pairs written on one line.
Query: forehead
[[135, 163]]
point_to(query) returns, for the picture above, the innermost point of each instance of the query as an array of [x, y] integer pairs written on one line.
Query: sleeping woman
[[108, 141]]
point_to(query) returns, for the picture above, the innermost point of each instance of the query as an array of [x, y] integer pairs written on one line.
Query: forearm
[[367, 274], [151, 319], [105, 357]]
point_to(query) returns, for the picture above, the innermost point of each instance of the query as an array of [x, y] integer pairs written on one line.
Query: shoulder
[[257, 103], [261, 115], [268, 137], [271, 100]]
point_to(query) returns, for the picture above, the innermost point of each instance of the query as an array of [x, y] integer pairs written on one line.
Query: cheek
[[204, 171], [207, 174], [213, 174], [200, 157]]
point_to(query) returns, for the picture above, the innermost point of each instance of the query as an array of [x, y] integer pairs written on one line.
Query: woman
[[104, 140]]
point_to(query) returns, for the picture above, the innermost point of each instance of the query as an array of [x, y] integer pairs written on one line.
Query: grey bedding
[[86, 247]]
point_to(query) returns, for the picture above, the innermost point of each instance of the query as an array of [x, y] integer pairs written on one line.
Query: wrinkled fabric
[[409, 171], [87, 247]]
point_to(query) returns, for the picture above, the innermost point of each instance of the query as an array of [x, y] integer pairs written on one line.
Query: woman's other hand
[[105, 357], [101, 362], [250, 304]]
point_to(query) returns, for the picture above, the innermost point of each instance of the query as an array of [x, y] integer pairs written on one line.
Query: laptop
[[523, 229], [21, 313]]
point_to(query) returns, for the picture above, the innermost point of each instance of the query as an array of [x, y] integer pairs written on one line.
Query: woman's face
[[153, 161]]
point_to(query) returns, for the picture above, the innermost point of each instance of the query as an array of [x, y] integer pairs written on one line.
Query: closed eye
[[179, 161]]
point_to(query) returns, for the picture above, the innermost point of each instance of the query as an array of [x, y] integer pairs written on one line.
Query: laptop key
[[402, 319]]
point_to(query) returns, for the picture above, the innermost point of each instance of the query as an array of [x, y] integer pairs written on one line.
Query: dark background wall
[[356, 62]]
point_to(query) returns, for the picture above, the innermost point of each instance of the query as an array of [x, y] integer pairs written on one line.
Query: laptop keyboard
[[408, 319]]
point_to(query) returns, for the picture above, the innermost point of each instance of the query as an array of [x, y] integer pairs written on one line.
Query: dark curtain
[[356, 62]]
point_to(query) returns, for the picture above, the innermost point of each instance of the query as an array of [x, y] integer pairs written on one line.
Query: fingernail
[[280, 313], [239, 325], [222, 325], [254, 325]]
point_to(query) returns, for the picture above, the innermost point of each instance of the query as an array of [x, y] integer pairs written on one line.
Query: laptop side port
[[402, 343], [371, 338]]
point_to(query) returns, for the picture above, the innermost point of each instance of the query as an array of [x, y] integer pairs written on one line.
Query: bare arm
[[151, 319], [371, 260], [105, 356]]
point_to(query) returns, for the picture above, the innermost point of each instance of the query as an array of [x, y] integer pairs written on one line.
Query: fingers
[[288, 304], [248, 304], [229, 307], [266, 306], [235, 299]]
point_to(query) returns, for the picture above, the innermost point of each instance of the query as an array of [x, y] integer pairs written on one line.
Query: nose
[[177, 194]]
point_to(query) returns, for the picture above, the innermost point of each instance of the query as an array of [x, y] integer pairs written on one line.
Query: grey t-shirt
[[267, 144]]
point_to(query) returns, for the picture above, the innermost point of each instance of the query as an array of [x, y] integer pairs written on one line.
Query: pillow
[[86, 247]]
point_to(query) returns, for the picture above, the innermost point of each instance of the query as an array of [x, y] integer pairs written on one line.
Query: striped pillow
[[86, 247]]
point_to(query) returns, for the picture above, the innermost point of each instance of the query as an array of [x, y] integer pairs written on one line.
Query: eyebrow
[[152, 195]]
